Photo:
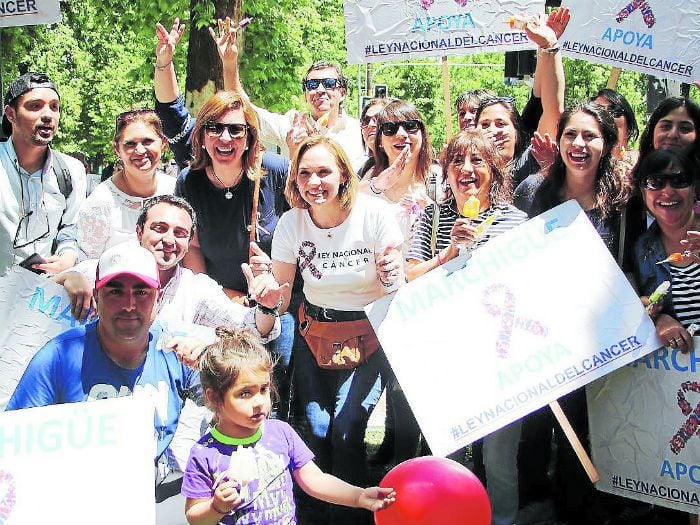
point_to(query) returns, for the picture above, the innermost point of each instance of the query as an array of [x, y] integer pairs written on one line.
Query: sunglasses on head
[[311, 84], [126, 116], [391, 128], [658, 181], [216, 129]]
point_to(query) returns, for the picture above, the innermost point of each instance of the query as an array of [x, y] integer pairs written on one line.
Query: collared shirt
[[346, 132], [35, 200]]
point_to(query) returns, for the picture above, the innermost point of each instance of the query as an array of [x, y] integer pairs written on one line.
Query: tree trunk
[[204, 74]]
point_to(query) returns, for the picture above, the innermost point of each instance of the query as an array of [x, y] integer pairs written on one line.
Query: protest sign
[[376, 30], [535, 313], [29, 12], [644, 422], [649, 36], [78, 463], [35, 310]]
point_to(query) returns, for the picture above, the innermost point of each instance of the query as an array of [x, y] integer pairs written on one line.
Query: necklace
[[229, 194]]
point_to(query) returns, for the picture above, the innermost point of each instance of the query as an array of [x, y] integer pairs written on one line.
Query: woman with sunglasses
[[226, 158], [108, 216], [347, 247], [368, 129], [665, 180], [626, 122]]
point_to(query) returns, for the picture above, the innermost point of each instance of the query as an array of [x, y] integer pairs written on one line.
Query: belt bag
[[338, 345]]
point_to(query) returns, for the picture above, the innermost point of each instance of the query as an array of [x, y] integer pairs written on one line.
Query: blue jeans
[[501, 465], [337, 405], [281, 349]]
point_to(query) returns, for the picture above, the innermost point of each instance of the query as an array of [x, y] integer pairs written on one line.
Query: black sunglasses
[[367, 120], [391, 128], [216, 129], [311, 84], [678, 180]]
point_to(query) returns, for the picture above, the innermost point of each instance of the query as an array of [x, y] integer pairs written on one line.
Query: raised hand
[[558, 19], [545, 150], [264, 288], [168, 41], [390, 176], [225, 40]]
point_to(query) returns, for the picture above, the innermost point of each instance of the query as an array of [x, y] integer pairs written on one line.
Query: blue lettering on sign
[[51, 307], [444, 23], [679, 470], [629, 38]]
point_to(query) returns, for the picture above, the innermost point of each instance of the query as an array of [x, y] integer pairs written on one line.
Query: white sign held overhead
[[660, 38], [644, 423], [534, 314], [379, 30], [29, 12]]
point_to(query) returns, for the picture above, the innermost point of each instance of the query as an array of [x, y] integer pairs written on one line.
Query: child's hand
[[376, 498], [226, 496]]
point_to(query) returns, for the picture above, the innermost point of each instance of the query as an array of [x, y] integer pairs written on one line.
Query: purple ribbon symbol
[[509, 321], [691, 427], [7, 495], [307, 258]]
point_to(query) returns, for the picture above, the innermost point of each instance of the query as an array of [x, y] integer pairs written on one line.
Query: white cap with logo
[[128, 258]]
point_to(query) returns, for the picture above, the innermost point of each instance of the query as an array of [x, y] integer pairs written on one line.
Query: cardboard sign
[[644, 422], [655, 37], [535, 313], [75, 463], [377, 30], [29, 12]]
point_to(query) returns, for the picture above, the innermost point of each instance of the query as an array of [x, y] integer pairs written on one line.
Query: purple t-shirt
[[263, 467]]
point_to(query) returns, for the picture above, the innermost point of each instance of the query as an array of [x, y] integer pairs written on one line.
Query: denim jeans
[[501, 465], [281, 349], [337, 405]]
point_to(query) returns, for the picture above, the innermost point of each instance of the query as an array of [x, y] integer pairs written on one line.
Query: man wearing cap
[[117, 355], [40, 188]]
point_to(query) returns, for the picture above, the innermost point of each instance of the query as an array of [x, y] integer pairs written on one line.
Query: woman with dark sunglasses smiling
[[368, 129], [108, 216], [665, 180]]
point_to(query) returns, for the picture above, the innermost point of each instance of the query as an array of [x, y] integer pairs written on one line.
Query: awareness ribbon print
[[509, 319], [307, 258], [7, 495], [691, 426]]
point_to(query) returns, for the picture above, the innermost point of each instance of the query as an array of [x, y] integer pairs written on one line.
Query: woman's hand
[[558, 19], [225, 40], [389, 266], [545, 150], [258, 260], [390, 176], [539, 32], [672, 333], [300, 130], [692, 245], [167, 42], [79, 291], [462, 235], [263, 288]]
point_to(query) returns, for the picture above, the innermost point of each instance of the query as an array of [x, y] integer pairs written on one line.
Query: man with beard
[[40, 188]]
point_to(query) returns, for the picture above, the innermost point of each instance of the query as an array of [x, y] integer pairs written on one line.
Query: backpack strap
[[60, 169]]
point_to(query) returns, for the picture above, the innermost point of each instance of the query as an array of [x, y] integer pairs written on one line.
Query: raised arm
[[227, 46], [165, 80], [549, 72]]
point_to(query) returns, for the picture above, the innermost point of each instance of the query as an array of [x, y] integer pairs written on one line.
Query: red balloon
[[431, 491]]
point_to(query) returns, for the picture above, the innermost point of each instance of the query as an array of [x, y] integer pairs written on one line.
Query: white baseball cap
[[128, 258]]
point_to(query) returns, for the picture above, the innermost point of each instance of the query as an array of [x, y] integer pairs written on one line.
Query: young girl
[[241, 472]]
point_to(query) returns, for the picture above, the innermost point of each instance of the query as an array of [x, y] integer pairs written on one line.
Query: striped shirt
[[685, 293], [509, 217]]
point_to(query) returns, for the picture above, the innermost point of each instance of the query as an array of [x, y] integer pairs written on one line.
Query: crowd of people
[[280, 251]]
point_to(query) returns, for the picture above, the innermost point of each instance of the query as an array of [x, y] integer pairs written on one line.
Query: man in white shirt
[[40, 188], [325, 88]]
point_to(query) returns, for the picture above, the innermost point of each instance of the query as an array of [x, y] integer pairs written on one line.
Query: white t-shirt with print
[[338, 264]]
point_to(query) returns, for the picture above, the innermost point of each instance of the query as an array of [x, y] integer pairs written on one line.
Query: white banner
[[660, 38], [29, 12], [536, 313], [378, 30], [75, 463], [644, 426]]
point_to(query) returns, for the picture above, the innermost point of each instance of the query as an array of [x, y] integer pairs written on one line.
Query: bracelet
[[272, 312], [217, 510], [551, 50], [160, 68], [374, 188], [387, 285]]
